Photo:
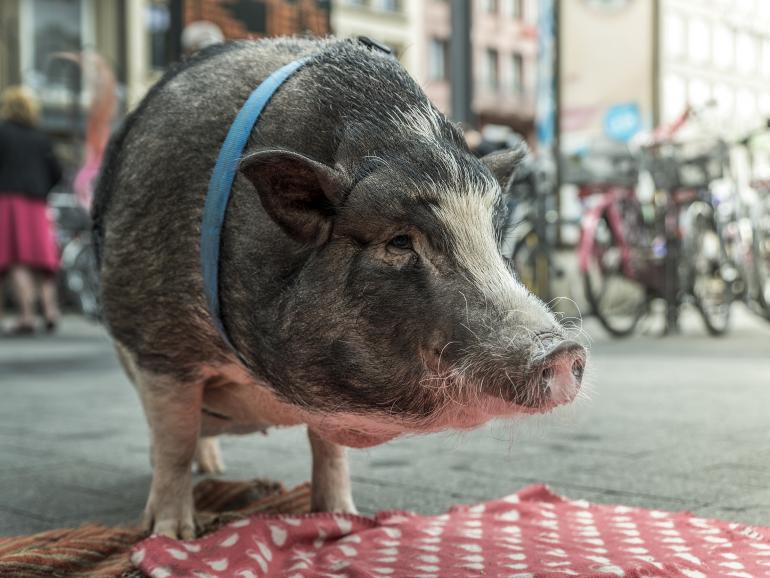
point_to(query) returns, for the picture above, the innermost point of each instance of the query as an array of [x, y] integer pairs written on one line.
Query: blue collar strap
[[221, 184]]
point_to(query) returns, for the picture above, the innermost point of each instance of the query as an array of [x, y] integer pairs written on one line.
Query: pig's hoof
[[170, 515], [175, 528], [208, 456]]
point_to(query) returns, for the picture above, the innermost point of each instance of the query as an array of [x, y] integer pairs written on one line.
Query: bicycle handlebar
[[667, 132]]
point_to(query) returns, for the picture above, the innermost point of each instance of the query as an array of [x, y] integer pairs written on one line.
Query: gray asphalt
[[677, 423]]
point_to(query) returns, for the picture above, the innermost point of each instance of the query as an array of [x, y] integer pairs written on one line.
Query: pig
[[362, 290]]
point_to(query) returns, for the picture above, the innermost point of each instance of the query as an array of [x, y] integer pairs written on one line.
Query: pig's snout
[[559, 372]]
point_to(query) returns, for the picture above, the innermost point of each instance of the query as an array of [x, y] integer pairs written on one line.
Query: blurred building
[[607, 71], [258, 18], [628, 65], [503, 59], [503, 44], [719, 51], [394, 23], [607, 84], [433, 68], [33, 35], [138, 38]]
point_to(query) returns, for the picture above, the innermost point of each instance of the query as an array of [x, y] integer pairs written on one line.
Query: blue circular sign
[[622, 121]]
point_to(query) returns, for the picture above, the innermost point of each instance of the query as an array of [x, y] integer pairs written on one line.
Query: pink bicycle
[[631, 253]]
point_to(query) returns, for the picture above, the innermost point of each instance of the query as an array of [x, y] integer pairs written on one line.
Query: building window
[[49, 27], [674, 97], [438, 61], [745, 6], [699, 41], [766, 58], [361, 3], [724, 46], [490, 6], [514, 9], [746, 53], [491, 69], [249, 14], [158, 22], [517, 73], [673, 34], [389, 5]]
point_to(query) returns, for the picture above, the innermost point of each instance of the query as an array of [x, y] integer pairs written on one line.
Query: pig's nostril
[[578, 367]]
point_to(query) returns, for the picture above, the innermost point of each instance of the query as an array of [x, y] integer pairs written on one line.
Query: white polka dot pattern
[[531, 534]]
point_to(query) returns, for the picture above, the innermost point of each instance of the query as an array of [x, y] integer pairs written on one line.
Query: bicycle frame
[[608, 208], [605, 208]]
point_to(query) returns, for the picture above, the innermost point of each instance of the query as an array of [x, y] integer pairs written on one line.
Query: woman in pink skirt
[[28, 170]]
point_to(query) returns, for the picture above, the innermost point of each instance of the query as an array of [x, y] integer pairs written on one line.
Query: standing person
[[28, 170]]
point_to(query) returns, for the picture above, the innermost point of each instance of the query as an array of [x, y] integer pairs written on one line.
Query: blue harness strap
[[221, 184]]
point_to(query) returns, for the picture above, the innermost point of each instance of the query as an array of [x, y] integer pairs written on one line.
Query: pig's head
[[403, 316]]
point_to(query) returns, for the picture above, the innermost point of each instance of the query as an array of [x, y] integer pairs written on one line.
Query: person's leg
[[49, 299], [23, 285]]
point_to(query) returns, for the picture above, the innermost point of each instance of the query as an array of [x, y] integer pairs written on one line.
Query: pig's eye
[[401, 242]]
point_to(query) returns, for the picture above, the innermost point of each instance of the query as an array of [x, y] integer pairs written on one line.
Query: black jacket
[[27, 162]]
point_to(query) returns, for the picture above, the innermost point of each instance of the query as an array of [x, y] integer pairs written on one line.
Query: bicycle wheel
[[534, 267], [617, 301], [713, 293], [83, 278], [523, 259], [762, 263]]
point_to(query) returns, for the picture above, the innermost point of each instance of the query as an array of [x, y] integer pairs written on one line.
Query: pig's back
[[148, 203]]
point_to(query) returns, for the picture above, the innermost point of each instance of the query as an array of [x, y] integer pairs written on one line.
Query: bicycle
[[78, 260], [612, 228], [667, 249], [703, 271], [746, 224]]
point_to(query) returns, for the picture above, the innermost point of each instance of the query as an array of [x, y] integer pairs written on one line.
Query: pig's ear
[[297, 192], [503, 164]]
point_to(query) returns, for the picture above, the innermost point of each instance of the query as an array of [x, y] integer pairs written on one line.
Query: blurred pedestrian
[[28, 170]]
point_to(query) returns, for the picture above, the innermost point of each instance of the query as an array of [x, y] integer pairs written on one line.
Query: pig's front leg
[[173, 411], [331, 479]]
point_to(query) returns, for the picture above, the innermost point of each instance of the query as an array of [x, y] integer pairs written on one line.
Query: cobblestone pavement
[[681, 423]]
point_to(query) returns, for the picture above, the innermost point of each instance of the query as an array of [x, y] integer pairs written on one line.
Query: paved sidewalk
[[676, 423]]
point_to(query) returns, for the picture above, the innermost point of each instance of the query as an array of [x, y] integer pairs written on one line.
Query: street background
[[676, 422]]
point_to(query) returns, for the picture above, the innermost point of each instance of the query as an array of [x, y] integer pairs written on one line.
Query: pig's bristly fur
[[345, 323], [360, 279]]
